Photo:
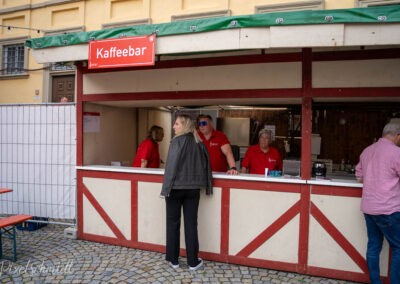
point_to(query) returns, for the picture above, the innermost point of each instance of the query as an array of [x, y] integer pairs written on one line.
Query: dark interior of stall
[[345, 129], [341, 130], [286, 120]]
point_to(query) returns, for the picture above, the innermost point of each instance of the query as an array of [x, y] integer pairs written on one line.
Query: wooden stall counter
[[311, 227]]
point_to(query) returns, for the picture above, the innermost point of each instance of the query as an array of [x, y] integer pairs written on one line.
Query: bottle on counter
[[342, 165]]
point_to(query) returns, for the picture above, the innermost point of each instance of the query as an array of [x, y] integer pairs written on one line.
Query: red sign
[[122, 52]]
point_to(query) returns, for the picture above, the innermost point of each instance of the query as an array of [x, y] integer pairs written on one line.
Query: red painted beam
[[225, 207], [195, 95], [367, 92], [209, 61], [336, 190], [79, 116], [304, 228]]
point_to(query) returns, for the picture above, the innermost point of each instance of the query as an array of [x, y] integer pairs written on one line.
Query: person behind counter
[[217, 144], [379, 171], [148, 155], [187, 170], [261, 156]]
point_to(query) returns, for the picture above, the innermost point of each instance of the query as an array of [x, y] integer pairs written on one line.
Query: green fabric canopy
[[378, 14]]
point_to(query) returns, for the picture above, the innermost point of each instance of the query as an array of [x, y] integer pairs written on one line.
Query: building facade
[[23, 80]]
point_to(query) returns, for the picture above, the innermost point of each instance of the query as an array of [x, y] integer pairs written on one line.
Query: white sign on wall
[[91, 122]]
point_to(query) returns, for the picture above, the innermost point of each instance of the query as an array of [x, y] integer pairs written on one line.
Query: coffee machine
[[319, 170]]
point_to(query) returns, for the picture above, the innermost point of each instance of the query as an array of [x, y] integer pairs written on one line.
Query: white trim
[[291, 6], [138, 22], [36, 6], [201, 15], [370, 3], [64, 31]]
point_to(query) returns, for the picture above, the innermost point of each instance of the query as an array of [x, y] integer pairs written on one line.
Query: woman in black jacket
[[187, 170]]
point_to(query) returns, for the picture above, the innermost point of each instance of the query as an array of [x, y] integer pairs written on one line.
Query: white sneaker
[[174, 266], [193, 268]]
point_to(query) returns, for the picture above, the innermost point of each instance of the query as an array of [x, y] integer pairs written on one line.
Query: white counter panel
[[344, 213], [151, 218], [325, 252], [94, 224], [114, 197], [151, 213], [251, 212], [282, 246]]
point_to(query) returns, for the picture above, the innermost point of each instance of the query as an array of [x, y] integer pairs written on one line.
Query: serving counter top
[[333, 181]]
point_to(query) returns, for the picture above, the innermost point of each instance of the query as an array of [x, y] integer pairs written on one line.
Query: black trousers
[[189, 200]]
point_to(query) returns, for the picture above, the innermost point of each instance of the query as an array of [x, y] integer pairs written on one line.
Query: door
[[63, 86]]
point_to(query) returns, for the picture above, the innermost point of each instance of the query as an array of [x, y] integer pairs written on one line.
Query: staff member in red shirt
[[148, 155], [218, 146], [261, 156]]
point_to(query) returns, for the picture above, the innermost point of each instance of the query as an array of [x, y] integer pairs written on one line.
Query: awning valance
[[374, 15]]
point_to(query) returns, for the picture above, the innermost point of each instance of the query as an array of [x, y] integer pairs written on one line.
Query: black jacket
[[187, 166]]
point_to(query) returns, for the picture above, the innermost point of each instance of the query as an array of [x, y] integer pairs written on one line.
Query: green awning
[[378, 14]]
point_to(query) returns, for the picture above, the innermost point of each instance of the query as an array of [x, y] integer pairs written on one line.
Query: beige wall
[[116, 140], [329, 74], [61, 15], [120, 128], [245, 76]]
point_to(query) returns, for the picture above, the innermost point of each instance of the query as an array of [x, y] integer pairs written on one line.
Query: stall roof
[[377, 14], [372, 26]]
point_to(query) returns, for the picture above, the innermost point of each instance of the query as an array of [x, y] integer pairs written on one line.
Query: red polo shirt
[[213, 145], [256, 160], [147, 150]]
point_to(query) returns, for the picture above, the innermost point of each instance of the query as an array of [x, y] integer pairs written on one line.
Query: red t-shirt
[[147, 150], [217, 158], [256, 160]]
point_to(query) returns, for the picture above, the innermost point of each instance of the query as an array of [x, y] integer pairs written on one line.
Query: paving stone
[[75, 261]]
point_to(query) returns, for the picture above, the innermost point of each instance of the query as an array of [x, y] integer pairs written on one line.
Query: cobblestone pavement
[[46, 256]]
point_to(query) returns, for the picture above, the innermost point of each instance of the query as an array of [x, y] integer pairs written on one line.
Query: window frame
[[138, 22], [14, 41], [201, 15], [371, 3], [290, 6]]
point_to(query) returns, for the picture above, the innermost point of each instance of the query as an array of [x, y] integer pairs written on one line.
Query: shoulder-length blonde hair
[[188, 126]]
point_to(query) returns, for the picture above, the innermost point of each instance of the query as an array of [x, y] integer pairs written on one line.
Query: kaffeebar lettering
[[117, 52]]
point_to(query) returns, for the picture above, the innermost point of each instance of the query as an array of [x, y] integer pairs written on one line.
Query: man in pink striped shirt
[[379, 171]]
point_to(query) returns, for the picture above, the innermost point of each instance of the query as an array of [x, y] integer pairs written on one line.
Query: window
[[370, 3], [59, 66], [13, 59]]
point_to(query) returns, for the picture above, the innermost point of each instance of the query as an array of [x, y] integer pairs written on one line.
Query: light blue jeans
[[378, 227]]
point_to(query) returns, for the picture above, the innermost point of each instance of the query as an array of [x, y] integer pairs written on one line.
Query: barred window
[[13, 59]]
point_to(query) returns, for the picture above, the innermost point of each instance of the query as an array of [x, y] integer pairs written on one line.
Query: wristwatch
[[233, 168]]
